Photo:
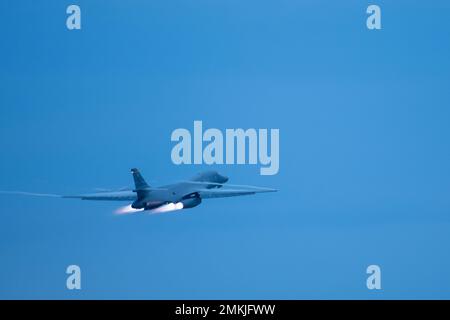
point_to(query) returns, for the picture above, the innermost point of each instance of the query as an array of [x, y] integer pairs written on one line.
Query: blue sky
[[364, 147]]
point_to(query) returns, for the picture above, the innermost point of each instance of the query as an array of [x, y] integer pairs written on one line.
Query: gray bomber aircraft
[[177, 196]]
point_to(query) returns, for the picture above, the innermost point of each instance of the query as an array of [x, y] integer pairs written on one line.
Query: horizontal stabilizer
[[106, 196], [23, 193]]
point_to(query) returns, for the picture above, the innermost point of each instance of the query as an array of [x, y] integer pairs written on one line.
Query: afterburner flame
[[169, 207], [127, 209]]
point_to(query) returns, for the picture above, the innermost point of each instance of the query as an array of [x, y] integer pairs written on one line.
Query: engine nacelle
[[139, 204], [191, 202]]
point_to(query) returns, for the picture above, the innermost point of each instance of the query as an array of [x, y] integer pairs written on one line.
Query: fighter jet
[[182, 195]]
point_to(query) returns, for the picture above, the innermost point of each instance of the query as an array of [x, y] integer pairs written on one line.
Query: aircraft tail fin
[[139, 181]]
